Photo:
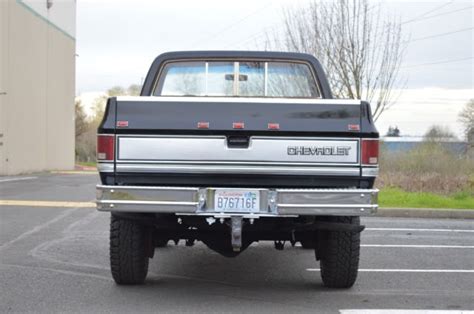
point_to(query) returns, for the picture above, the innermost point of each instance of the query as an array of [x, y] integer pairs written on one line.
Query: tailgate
[[239, 136]]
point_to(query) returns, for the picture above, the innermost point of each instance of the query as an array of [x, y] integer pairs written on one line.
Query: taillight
[[105, 147], [370, 151]]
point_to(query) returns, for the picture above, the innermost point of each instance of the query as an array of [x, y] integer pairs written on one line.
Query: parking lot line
[[90, 172], [403, 311], [38, 228], [419, 230], [32, 203], [17, 179], [420, 246], [382, 270]]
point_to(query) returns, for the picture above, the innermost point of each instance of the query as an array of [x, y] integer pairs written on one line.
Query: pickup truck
[[234, 147]]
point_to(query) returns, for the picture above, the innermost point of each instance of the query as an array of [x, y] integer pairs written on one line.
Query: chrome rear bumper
[[273, 203]]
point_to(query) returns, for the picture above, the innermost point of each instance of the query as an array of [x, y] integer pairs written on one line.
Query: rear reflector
[[238, 125], [203, 125], [353, 127], [122, 124], [105, 147], [273, 126], [370, 151]]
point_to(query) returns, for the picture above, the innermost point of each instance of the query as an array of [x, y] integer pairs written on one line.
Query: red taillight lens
[[370, 151], [105, 147]]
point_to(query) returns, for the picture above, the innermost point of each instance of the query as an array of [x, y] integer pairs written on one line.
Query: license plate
[[230, 200]]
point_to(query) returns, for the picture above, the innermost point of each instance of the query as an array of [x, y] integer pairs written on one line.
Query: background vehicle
[[229, 148]]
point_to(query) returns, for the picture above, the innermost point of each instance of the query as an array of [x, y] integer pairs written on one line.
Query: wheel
[[161, 242], [307, 244], [128, 251], [340, 257]]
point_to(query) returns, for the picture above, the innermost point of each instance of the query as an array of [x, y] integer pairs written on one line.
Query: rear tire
[[307, 244], [340, 257], [128, 251], [161, 242]]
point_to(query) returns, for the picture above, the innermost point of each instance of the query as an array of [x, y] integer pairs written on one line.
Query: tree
[[134, 90], [99, 102], [466, 117], [98, 108], [116, 91], [393, 131], [86, 128], [438, 133], [360, 49], [80, 119]]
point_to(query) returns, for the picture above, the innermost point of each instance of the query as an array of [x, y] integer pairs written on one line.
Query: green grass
[[87, 164], [394, 197]]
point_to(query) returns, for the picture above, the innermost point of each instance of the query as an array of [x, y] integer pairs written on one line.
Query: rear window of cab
[[237, 79]]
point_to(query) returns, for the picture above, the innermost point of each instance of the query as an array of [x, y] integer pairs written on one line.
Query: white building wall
[[37, 86]]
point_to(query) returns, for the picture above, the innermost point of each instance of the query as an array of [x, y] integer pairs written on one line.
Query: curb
[[84, 168], [426, 213]]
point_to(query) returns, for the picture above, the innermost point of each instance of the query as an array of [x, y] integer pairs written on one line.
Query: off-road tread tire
[[161, 243], [307, 244], [340, 259], [128, 253]]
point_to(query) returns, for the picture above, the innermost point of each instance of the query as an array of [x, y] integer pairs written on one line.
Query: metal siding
[[41, 89], [3, 82]]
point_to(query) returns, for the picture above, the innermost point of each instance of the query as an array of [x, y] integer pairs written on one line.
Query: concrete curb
[[84, 168], [426, 213]]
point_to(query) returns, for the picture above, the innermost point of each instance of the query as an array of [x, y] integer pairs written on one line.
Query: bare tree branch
[[360, 47]]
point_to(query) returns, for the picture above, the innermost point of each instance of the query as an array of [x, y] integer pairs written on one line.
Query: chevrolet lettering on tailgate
[[327, 151]]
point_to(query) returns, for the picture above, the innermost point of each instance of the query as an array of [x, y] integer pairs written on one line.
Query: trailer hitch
[[236, 233], [279, 245]]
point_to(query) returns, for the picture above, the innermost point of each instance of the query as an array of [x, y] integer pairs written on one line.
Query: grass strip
[[87, 164], [395, 197]]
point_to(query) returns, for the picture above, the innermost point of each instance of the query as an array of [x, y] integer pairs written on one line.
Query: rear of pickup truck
[[230, 148]]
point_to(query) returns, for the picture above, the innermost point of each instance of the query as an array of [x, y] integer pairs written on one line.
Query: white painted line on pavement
[[17, 179], [419, 230], [31, 203], [420, 246], [38, 228], [381, 270], [60, 271], [400, 311]]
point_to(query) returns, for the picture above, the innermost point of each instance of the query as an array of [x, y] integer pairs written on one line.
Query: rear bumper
[[273, 202]]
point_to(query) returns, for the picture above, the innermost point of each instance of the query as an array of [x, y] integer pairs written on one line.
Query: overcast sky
[[117, 41]]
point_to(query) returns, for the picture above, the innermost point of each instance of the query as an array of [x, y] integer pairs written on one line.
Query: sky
[[117, 40]]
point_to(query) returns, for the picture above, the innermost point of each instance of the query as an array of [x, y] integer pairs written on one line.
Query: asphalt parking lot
[[54, 258]]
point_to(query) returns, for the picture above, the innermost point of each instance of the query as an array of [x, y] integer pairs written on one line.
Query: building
[[37, 85]]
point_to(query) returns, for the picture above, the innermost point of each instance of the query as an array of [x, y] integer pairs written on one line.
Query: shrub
[[429, 167]]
